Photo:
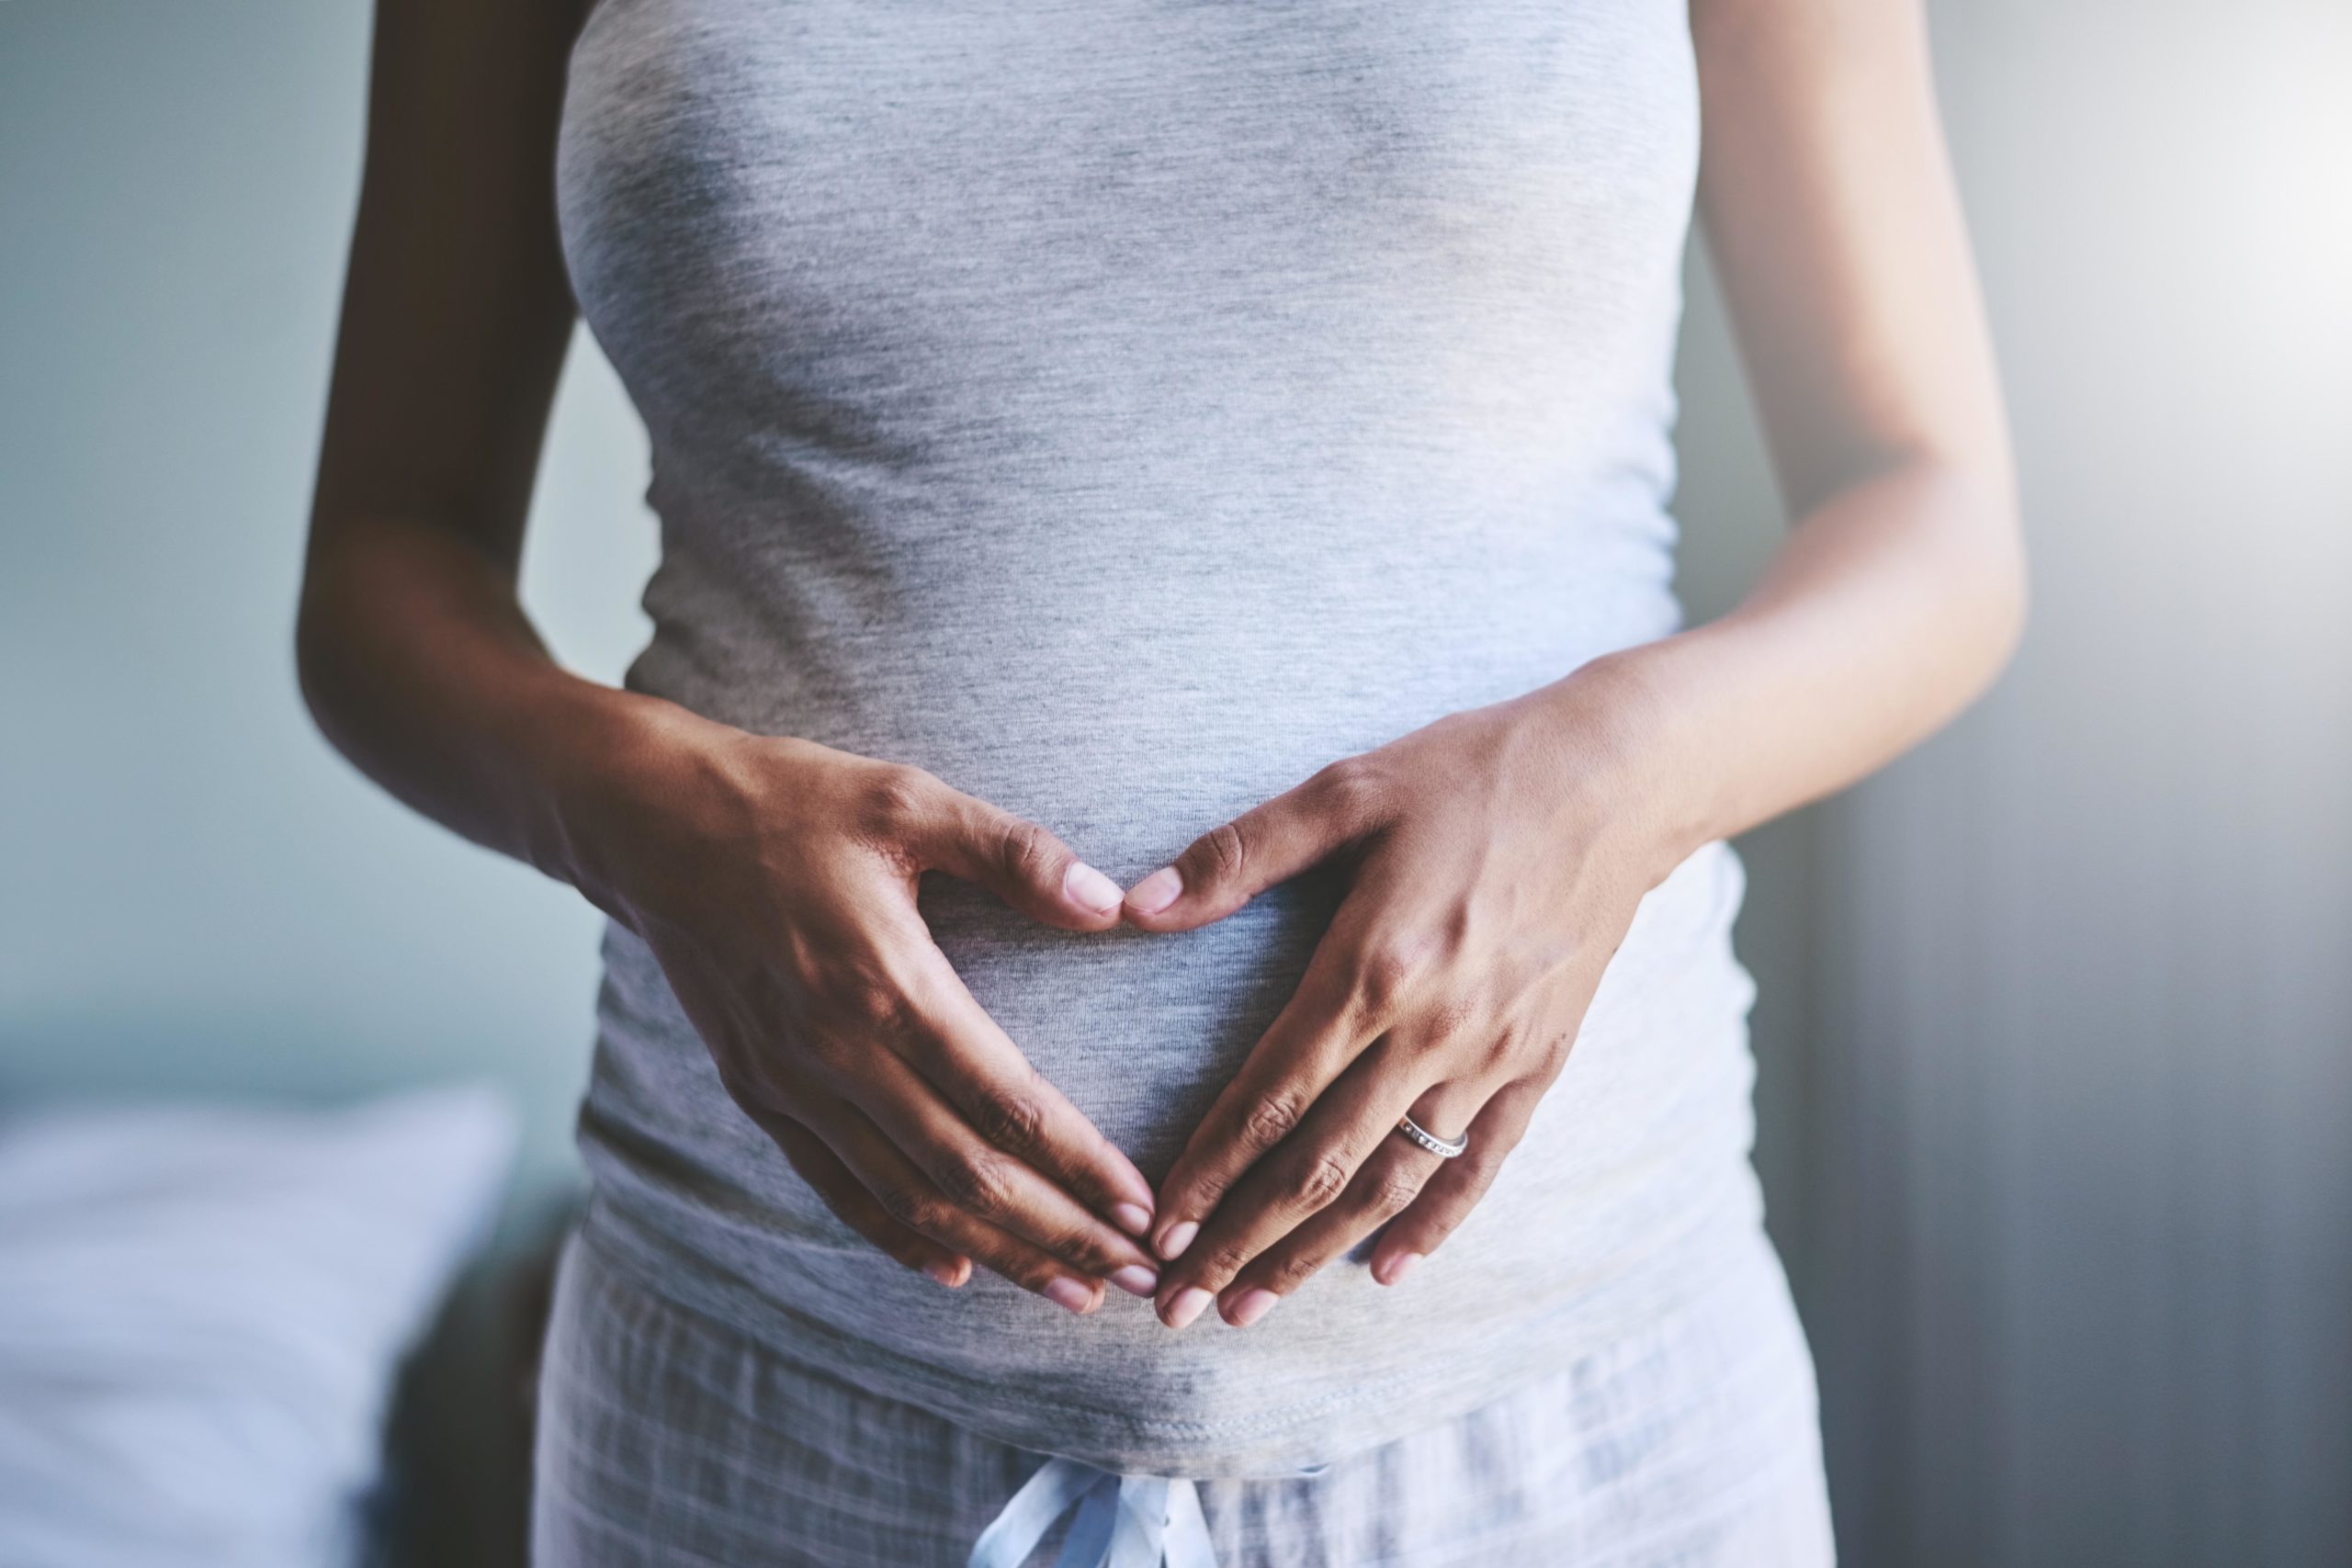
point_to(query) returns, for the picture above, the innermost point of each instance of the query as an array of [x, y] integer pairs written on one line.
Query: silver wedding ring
[[1431, 1141]]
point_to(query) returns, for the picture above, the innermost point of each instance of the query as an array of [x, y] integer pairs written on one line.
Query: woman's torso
[[1121, 410]]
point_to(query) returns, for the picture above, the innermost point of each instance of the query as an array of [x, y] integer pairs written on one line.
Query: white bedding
[[201, 1312]]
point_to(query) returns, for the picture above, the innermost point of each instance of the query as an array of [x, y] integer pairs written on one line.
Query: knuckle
[[1461, 927], [1500, 1047], [1381, 975], [1206, 1191], [872, 1004], [1011, 1119], [1026, 849], [894, 802], [911, 1206], [1554, 1054], [1287, 1273], [1394, 1192], [1274, 1118], [1222, 1263], [1446, 1024], [1030, 1273], [1350, 791], [1008, 1262], [1085, 1252], [1322, 1179], [1224, 851], [831, 1051], [974, 1183]]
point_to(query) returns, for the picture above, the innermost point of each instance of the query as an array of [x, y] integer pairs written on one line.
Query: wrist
[[612, 772], [1639, 753]]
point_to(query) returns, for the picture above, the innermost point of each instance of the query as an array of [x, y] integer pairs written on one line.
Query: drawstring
[[1124, 1522]]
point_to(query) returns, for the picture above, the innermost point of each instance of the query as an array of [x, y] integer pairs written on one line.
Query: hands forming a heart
[[1493, 861]]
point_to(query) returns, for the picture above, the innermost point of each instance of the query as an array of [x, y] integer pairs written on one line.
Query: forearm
[[420, 666], [1889, 609]]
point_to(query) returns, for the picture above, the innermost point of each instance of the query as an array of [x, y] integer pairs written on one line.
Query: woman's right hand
[[775, 880]]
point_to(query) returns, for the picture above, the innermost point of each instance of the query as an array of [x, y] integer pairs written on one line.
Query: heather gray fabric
[[1123, 409]]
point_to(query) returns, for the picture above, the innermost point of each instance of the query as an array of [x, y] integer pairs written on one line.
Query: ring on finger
[[1444, 1148]]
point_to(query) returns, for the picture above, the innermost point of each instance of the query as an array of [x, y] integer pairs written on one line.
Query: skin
[[774, 879]]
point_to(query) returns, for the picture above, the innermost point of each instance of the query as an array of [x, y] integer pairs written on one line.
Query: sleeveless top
[[1123, 409]]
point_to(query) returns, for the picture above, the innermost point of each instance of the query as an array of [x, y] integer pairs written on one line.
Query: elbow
[[309, 667], [1998, 569], [1973, 580], [2012, 588], [319, 657], [2014, 610]]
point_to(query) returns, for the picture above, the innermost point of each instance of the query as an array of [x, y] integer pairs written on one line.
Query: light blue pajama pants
[[667, 1439]]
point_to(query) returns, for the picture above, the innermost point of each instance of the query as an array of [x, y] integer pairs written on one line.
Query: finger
[[953, 1043], [911, 1199], [1013, 857], [991, 1186], [1228, 866], [856, 1207], [1448, 1197], [1387, 1182], [1328, 1022], [1309, 1172]]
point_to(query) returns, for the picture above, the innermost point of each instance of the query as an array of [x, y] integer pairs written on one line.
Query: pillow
[[202, 1311]]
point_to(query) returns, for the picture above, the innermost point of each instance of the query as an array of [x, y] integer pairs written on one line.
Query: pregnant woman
[[1168, 992]]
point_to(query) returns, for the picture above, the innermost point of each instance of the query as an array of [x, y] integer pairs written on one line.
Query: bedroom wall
[[2068, 1060], [195, 894]]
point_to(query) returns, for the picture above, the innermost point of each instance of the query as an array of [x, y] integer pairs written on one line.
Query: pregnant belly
[[1601, 1216], [1140, 1031]]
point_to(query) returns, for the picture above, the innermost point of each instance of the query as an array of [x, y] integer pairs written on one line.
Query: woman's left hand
[[1496, 859]]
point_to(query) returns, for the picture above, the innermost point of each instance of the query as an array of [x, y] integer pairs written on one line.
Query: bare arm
[[1836, 227], [774, 879], [1500, 854], [414, 653]]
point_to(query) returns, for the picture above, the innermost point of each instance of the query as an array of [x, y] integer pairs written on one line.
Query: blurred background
[[2057, 1016]]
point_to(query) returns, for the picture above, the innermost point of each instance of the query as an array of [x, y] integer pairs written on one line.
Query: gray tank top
[[1122, 409]]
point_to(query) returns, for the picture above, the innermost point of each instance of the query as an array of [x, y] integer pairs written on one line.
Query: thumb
[[1228, 866], [1015, 858]]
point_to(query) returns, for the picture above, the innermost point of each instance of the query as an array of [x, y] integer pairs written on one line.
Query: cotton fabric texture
[[1122, 410], [669, 1441]]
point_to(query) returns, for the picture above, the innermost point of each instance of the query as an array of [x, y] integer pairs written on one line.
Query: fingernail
[[1176, 1238], [1156, 892], [1070, 1294], [945, 1273], [1398, 1267], [1089, 889], [1132, 1218], [1253, 1305], [1135, 1279], [1188, 1304]]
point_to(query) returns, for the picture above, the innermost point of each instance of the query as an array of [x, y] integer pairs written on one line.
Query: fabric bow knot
[[1124, 1522]]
